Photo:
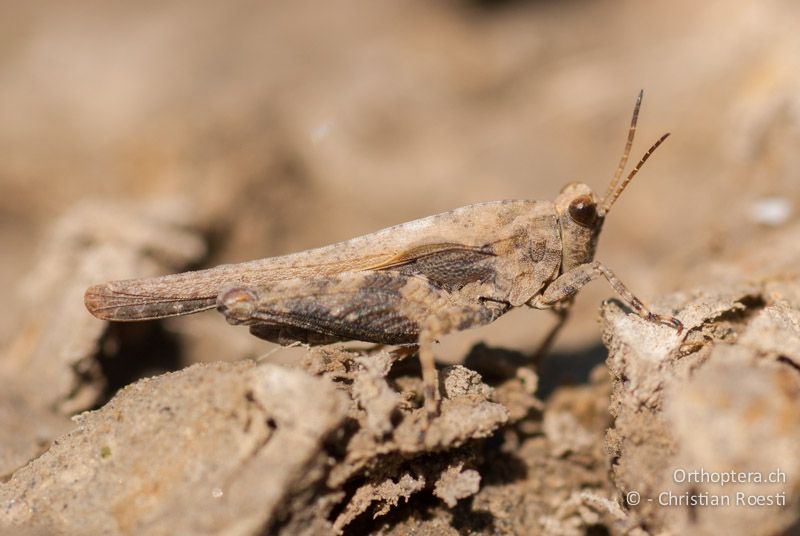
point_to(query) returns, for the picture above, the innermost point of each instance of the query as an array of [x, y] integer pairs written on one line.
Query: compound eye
[[583, 211]]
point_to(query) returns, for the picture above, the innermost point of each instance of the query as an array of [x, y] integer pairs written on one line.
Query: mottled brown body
[[406, 284], [513, 246]]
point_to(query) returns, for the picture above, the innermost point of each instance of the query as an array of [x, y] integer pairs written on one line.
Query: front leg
[[568, 284]]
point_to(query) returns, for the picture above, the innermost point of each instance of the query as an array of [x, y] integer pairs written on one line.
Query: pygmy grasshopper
[[407, 284]]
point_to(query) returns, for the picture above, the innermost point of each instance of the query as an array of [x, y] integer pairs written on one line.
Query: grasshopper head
[[580, 220], [581, 214]]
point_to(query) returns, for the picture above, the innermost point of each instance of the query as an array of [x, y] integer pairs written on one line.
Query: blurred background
[[282, 126]]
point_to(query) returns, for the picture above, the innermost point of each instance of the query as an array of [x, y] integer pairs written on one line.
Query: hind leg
[[380, 307]]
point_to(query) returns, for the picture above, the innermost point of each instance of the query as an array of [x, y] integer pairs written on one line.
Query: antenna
[[628, 144], [608, 202]]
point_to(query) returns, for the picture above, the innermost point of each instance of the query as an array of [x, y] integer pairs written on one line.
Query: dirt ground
[[142, 139]]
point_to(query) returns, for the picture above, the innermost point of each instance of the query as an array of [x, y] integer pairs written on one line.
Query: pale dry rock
[[392, 446], [51, 366], [457, 483], [461, 381], [239, 448], [775, 332], [720, 420], [385, 494], [580, 510], [53, 355], [723, 397], [373, 394], [565, 433]]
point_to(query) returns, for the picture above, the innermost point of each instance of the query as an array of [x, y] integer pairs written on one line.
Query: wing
[[450, 249], [146, 299], [448, 266]]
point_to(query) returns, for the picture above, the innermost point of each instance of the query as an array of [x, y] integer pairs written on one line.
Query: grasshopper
[[407, 284]]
